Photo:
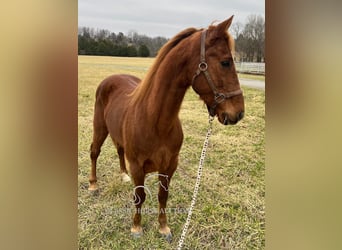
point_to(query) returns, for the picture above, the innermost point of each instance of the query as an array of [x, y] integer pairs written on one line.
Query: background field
[[230, 209]]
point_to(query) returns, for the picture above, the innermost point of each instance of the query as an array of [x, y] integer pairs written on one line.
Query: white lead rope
[[198, 181]]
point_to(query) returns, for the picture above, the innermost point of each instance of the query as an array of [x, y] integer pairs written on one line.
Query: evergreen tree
[[103, 42], [131, 51], [143, 51]]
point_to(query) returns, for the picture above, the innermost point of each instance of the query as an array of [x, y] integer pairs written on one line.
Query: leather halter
[[203, 67]]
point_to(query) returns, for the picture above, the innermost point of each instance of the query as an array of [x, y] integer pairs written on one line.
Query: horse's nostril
[[225, 118], [240, 115]]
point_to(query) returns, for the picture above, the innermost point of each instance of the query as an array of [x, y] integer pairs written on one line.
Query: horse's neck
[[165, 99]]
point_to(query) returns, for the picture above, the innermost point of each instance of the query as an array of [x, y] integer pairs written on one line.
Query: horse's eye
[[225, 63]]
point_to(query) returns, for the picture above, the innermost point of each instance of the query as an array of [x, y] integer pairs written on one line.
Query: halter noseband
[[203, 67]]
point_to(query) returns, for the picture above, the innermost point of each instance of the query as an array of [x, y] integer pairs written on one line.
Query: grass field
[[230, 209], [253, 77]]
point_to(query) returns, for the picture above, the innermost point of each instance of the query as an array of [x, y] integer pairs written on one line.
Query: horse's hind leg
[[99, 135], [124, 175]]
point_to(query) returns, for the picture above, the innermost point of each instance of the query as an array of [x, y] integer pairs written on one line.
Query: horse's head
[[216, 79]]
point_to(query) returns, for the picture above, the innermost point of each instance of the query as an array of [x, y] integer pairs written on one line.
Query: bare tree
[[250, 42], [237, 29], [254, 32], [132, 36]]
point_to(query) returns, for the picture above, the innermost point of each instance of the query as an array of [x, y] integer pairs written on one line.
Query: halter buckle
[[219, 97], [203, 66]]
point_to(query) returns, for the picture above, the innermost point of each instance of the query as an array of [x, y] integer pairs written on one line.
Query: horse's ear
[[219, 30], [224, 26]]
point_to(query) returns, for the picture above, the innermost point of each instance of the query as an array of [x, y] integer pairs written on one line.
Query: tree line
[[249, 41], [105, 43]]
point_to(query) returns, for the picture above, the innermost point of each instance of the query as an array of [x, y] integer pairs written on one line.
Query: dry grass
[[230, 210]]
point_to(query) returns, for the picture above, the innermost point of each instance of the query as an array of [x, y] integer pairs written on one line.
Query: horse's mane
[[145, 86]]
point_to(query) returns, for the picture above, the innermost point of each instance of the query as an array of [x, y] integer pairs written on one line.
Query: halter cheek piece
[[203, 67]]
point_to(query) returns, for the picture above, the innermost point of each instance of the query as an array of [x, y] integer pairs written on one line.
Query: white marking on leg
[[127, 165], [125, 177]]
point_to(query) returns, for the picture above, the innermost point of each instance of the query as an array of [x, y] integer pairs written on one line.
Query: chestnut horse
[[142, 116]]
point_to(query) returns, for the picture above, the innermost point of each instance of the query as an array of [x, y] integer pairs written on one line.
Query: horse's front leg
[[138, 199], [164, 182], [162, 197]]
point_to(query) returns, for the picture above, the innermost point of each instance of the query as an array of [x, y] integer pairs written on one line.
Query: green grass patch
[[230, 209], [251, 76]]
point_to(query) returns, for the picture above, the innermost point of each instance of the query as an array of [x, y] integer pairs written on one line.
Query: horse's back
[[115, 86]]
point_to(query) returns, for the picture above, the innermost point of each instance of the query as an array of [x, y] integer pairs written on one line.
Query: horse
[[142, 116]]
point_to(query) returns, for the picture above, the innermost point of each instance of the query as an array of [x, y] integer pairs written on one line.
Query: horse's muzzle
[[226, 119]]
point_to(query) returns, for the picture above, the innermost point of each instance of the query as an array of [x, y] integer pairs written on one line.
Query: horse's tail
[[100, 131], [102, 98], [102, 94]]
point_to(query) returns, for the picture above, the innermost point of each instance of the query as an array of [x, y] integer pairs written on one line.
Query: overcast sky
[[162, 17]]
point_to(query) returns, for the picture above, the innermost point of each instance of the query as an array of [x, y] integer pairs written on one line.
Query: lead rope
[[198, 181]]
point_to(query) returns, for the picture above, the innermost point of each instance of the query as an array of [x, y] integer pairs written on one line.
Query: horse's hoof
[[166, 233], [136, 235], [168, 237], [93, 187], [136, 232]]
